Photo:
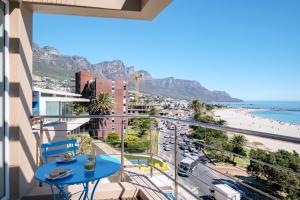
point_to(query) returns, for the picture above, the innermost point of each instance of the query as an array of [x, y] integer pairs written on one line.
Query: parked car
[[184, 154], [194, 154], [185, 147], [167, 148]]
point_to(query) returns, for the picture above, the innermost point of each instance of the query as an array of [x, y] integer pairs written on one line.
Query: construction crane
[[136, 77]]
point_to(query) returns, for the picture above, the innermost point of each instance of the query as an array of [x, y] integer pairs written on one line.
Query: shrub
[[114, 140], [77, 108], [113, 137], [84, 143], [131, 138]]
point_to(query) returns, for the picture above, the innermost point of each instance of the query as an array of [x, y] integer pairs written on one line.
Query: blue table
[[105, 166]]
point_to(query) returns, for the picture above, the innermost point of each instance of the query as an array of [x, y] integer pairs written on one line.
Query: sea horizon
[[282, 111]]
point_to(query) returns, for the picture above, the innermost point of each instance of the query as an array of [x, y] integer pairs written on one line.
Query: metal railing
[[175, 162]]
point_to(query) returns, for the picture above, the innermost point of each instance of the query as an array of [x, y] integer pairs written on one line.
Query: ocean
[[283, 111]]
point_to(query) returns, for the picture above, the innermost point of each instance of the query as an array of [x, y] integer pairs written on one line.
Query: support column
[[176, 164], [23, 147]]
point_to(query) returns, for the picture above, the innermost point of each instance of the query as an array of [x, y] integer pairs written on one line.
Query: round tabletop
[[105, 166]]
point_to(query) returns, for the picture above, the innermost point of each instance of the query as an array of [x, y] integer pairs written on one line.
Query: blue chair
[[69, 146]]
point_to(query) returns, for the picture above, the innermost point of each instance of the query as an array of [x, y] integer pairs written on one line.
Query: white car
[[185, 154], [167, 148], [167, 136]]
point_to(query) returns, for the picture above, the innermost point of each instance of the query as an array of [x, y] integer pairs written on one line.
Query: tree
[[221, 122], [102, 106], [84, 143], [281, 180], [153, 111], [205, 119], [142, 125], [196, 106], [237, 142]]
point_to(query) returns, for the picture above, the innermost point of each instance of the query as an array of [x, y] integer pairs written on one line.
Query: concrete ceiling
[[129, 9]]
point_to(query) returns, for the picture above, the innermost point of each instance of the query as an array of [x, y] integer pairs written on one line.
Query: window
[[52, 108]]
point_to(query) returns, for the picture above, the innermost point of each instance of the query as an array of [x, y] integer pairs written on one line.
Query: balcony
[[155, 171]]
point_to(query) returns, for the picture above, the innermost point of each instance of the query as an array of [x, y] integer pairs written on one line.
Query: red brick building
[[91, 87]]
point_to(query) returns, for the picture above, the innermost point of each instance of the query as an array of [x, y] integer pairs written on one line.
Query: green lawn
[[133, 157], [242, 162], [131, 131]]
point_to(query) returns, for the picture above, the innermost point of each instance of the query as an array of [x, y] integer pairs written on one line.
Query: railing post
[[41, 141], [41, 160], [205, 135], [151, 149], [122, 151], [176, 164]]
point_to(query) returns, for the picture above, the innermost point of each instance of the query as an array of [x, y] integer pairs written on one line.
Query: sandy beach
[[242, 118]]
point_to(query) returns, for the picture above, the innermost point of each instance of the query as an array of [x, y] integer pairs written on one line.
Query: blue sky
[[251, 49]]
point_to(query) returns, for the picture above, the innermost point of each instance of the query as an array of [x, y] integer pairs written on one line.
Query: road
[[203, 177]]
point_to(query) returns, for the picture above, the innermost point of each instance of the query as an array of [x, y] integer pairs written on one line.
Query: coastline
[[244, 119]]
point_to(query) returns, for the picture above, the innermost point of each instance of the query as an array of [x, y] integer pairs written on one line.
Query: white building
[[47, 102]]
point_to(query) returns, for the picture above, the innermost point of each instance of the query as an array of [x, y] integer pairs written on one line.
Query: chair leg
[[53, 194]]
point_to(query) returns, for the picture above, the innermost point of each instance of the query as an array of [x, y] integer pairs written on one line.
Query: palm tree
[[102, 106], [196, 106], [238, 142]]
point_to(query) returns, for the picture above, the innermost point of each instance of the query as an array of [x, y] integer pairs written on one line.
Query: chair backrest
[[69, 146]]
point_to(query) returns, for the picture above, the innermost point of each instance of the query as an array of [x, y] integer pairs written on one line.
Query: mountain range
[[48, 61]]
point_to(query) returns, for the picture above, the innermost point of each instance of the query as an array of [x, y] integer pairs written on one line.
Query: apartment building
[[90, 87]]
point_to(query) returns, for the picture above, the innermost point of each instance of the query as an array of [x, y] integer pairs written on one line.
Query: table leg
[[86, 188], [61, 191], [93, 192], [83, 191]]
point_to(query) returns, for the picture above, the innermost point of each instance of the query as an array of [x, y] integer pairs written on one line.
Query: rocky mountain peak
[[48, 61]]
